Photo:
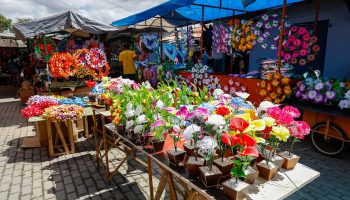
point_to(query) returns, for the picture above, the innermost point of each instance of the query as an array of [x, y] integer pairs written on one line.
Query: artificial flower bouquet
[[37, 104], [344, 104], [63, 112]]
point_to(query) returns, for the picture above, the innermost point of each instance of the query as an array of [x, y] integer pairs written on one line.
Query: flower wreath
[[96, 58], [150, 41], [39, 47], [263, 29], [221, 38], [242, 36], [299, 46], [83, 71], [62, 65]]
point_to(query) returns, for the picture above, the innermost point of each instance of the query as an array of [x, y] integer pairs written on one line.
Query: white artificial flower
[[160, 104], [216, 80], [129, 113], [138, 128], [141, 119], [243, 95], [344, 104], [138, 110], [216, 120], [217, 93], [347, 95], [205, 75], [188, 132], [230, 82], [129, 106], [263, 106], [129, 124], [207, 143]]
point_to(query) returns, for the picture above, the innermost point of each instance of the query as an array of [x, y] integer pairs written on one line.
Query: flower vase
[[189, 148], [225, 166], [267, 171], [290, 160], [251, 175], [193, 165], [210, 177], [176, 156], [235, 190]]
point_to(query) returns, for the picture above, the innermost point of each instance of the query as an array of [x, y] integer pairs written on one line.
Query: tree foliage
[[5, 23]]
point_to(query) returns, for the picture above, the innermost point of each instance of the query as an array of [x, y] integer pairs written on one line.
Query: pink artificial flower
[[302, 31], [303, 128], [305, 45], [294, 112], [287, 56], [159, 122], [225, 99], [303, 52], [291, 38], [273, 112], [170, 110], [295, 54], [292, 48], [302, 62], [297, 42], [281, 116], [306, 37], [135, 86], [294, 28], [182, 112]]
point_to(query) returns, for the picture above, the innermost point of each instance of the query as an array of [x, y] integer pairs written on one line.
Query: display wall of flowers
[[221, 39], [243, 38], [275, 88]]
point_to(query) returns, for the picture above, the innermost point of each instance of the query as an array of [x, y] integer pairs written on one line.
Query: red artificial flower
[[249, 151], [238, 124], [238, 139], [90, 84], [223, 111]]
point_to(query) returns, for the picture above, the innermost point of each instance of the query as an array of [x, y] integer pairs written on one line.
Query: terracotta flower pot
[[224, 166], [290, 161], [251, 175], [267, 171], [158, 145], [193, 165], [189, 149], [210, 178], [235, 190], [176, 157]]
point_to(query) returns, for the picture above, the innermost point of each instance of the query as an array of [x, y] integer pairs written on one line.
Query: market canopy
[[179, 12], [67, 22], [10, 40]]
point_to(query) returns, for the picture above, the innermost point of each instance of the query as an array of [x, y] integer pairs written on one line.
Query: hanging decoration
[[221, 36], [62, 65], [267, 30], [242, 36], [96, 58], [150, 41], [275, 88], [39, 47], [71, 46], [170, 51], [299, 46], [233, 87]]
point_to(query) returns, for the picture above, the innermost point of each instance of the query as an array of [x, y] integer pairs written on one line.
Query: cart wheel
[[330, 146]]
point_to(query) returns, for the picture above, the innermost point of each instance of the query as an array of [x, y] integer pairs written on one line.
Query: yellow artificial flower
[[245, 116], [280, 132], [258, 125], [269, 121]]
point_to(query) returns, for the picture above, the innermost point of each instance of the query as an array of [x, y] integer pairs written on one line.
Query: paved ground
[[30, 174]]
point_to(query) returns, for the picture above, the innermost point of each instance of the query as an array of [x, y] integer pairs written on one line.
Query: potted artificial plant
[[192, 133], [176, 155], [225, 165]]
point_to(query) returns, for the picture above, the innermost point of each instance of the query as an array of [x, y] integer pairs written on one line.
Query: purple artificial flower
[[319, 86], [319, 98], [159, 122], [311, 94], [182, 112], [304, 97], [298, 94], [330, 94]]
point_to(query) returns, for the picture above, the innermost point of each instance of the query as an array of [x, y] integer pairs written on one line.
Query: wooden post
[[202, 35], [49, 136], [150, 176], [281, 36]]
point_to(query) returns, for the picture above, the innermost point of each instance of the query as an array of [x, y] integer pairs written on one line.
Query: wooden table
[[279, 187]]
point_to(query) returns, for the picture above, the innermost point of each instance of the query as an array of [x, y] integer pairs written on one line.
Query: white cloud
[[105, 11]]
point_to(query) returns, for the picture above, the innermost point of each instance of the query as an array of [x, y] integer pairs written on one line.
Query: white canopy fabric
[[69, 22]]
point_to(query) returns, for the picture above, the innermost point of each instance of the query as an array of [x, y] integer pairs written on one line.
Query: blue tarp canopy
[[177, 12]]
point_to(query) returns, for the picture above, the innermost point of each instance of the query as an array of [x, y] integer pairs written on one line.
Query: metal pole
[[202, 35], [281, 36], [188, 39], [161, 39]]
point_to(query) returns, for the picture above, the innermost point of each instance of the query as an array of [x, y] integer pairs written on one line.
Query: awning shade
[[68, 21]]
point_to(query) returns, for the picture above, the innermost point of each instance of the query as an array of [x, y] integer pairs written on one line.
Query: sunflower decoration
[[275, 88], [242, 36]]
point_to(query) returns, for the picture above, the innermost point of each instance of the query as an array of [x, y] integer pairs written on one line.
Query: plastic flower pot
[[251, 175], [235, 190], [267, 171], [92, 98], [193, 165], [224, 166], [210, 177], [189, 148], [158, 145], [290, 161], [176, 156]]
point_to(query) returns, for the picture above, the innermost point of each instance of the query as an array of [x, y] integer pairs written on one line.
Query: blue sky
[[102, 10]]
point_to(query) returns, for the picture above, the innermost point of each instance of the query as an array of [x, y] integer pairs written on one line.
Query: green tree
[[24, 20], [5, 23]]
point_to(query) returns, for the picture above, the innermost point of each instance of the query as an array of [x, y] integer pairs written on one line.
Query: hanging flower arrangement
[[96, 61], [242, 36], [299, 47], [39, 47], [265, 26], [71, 46], [221, 38], [150, 41], [275, 88], [62, 65]]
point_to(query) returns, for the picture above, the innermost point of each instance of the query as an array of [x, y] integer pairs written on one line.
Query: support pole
[[316, 16], [188, 39], [47, 66], [161, 39], [281, 36], [202, 35]]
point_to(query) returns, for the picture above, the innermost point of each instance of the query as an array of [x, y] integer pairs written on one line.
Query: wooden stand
[[61, 128]]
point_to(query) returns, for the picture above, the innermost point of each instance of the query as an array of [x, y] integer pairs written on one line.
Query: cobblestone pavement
[[30, 174]]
